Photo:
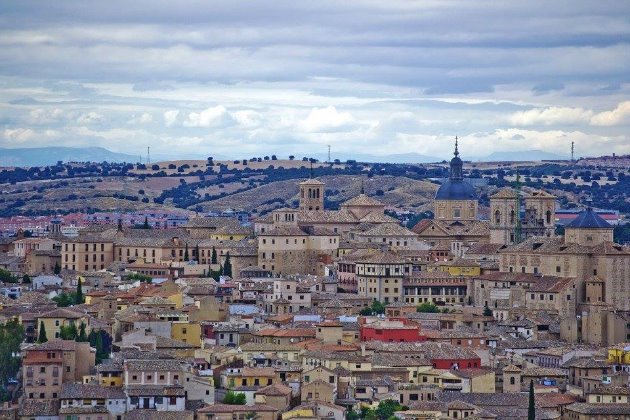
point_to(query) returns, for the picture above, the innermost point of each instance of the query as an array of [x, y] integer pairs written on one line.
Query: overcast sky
[[246, 78]]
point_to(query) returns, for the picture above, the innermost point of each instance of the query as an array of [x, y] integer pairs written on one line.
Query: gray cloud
[[248, 76]]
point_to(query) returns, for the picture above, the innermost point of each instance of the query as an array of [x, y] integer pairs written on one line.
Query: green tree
[[78, 297], [42, 333], [138, 276], [96, 340], [64, 300], [82, 337], [186, 256], [26, 279], [68, 332], [233, 398], [214, 256], [531, 409], [146, 224], [487, 311], [352, 415], [11, 336], [57, 268], [427, 307], [387, 408], [227, 265], [378, 308], [6, 277]]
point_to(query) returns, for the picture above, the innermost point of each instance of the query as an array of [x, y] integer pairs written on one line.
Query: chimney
[[120, 226], [362, 349]]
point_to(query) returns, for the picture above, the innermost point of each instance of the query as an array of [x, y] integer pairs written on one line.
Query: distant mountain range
[[42, 156]]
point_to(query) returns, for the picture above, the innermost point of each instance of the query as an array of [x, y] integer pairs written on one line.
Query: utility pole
[[572, 151], [148, 154]]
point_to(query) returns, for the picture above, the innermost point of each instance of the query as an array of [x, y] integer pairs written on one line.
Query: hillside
[[260, 185]]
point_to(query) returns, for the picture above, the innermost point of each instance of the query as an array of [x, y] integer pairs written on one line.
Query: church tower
[[311, 195], [456, 199], [504, 214]]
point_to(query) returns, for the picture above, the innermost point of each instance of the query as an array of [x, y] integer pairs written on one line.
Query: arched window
[[497, 217]]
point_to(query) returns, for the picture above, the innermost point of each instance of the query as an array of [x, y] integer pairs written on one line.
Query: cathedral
[[515, 214]]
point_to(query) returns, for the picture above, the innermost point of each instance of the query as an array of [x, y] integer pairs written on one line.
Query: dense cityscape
[[329, 210], [309, 312]]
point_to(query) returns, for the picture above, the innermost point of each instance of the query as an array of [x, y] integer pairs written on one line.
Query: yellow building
[[110, 374], [619, 354], [188, 332], [61, 317], [458, 267], [248, 376]]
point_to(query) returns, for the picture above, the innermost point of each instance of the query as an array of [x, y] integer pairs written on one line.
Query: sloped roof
[[589, 219], [362, 200], [507, 193]]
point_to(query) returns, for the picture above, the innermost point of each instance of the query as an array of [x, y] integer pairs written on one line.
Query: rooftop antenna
[[329, 154], [148, 154], [572, 151]]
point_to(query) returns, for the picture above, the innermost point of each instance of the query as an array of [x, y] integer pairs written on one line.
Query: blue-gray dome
[[456, 189], [589, 219]]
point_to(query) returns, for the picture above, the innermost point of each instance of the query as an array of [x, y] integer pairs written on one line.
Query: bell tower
[[311, 195], [504, 214]]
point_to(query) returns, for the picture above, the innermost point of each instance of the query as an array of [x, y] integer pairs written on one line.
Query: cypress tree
[[531, 410], [186, 256], [42, 333], [227, 265], [82, 336], [197, 253], [57, 269], [146, 225], [214, 256], [99, 347], [78, 298]]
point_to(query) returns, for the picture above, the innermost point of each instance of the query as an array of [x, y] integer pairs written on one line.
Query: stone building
[[288, 248], [509, 223]]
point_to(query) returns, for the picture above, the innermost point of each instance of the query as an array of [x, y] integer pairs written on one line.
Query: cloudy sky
[[245, 78]]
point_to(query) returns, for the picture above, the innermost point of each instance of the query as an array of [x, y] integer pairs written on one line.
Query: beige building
[[88, 252], [49, 365], [287, 248], [380, 276]]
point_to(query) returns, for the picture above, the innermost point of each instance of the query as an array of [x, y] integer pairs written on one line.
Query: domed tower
[[456, 199]]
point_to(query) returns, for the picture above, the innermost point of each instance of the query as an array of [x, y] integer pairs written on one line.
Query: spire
[[456, 165]]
